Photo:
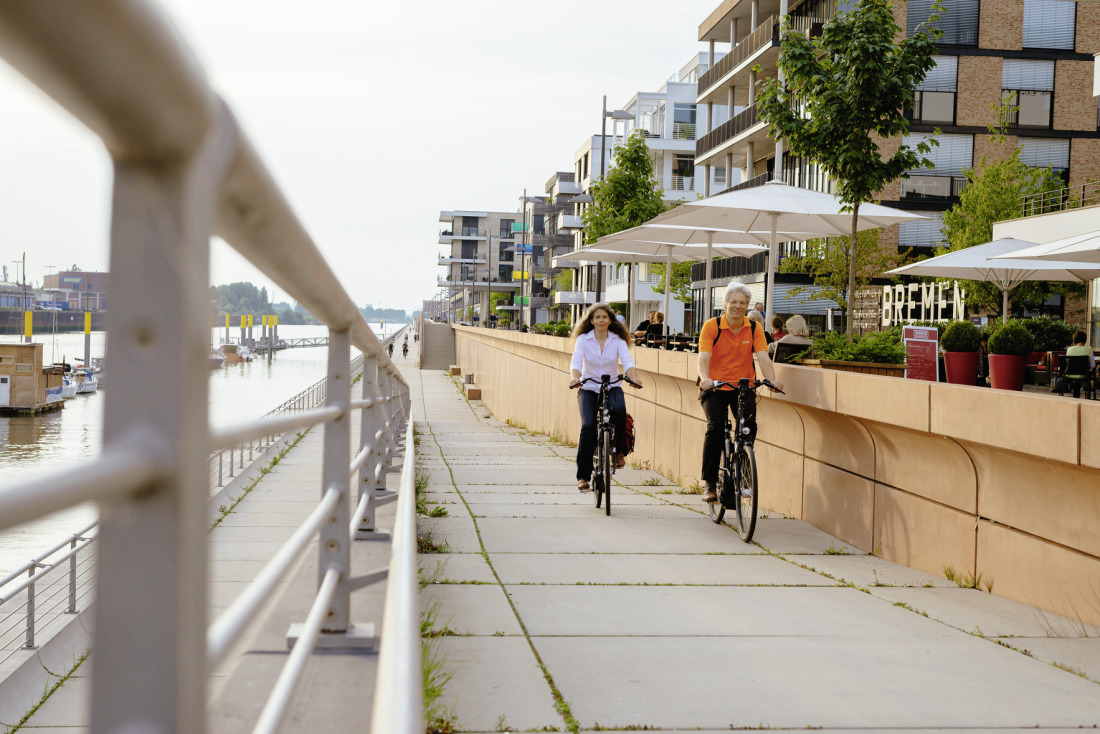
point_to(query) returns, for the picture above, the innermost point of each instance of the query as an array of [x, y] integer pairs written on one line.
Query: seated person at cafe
[[777, 329], [656, 326], [796, 340], [1079, 349], [640, 329]]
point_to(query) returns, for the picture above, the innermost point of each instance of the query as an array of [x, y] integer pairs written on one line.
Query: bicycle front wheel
[[605, 469], [747, 493]]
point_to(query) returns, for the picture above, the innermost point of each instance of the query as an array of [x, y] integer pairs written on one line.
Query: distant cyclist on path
[[602, 343], [726, 348]]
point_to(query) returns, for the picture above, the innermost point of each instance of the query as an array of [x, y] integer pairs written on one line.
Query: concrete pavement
[[553, 615]]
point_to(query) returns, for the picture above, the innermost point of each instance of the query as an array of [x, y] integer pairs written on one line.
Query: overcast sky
[[372, 116]]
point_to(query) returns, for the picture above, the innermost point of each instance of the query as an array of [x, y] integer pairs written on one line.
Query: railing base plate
[[360, 636], [375, 534]]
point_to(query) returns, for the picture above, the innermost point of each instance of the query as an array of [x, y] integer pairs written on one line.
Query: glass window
[[959, 21], [683, 122], [539, 224], [934, 107], [1049, 24], [1033, 109], [923, 232], [951, 156]]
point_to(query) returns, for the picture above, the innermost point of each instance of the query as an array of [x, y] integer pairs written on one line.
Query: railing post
[[150, 626], [72, 577], [220, 455], [371, 479], [335, 551], [30, 607]]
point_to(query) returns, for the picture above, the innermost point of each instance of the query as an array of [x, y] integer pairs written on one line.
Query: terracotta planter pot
[[961, 367], [1006, 371]]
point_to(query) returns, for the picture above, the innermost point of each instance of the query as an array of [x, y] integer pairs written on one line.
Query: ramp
[[437, 346]]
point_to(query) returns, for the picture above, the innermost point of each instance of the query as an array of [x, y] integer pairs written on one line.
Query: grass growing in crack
[[439, 717], [693, 488], [420, 483], [652, 482], [264, 471], [968, 579], [832, 550], [49, 691], [426, 542]]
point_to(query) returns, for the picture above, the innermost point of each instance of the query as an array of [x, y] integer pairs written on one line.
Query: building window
[[921, 233], [683, 122], [683, 172], [959, 22], [946, 179], [1029, 85], [506, 227], [539, 224], [1046, 153], [1050, 24], [934, 99]]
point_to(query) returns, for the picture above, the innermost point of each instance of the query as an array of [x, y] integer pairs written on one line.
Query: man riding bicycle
[[726, 348]]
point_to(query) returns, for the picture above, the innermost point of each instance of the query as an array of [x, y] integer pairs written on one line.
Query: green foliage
[[681, 280], [961, 336], [826, 261], [553, 328], [238, 298], [629, 193], [992, 194], [1012, 338], [496, 299], [563, 281], [1050, 335], [883, 347], [843, 90]]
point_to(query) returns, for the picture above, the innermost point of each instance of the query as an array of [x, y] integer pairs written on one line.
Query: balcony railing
[[758, 180], [683, 183], [1071, 197], [683, 131], [933, 187], [728, 130], [766, 34]]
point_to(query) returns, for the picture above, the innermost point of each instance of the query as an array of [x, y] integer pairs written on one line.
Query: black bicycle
[[737, 489], [603, 466]]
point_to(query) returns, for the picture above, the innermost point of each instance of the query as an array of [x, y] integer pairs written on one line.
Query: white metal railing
[[683, 183], [184, 172]]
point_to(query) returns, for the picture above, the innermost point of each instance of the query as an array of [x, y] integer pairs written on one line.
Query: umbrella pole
[[668, 285], [1004, 306], [629, 295], [769, 299], [708, 307]]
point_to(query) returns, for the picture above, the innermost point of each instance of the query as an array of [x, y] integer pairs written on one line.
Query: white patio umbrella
[[1081, 248], [621, 248], [994, 262], [778, 208]]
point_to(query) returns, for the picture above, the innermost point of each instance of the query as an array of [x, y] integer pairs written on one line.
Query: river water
[[41, 444]]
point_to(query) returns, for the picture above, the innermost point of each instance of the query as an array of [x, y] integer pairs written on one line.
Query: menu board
[[921, 351]]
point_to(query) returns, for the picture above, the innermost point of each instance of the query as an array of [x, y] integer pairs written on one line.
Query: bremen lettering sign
[[922, 302]]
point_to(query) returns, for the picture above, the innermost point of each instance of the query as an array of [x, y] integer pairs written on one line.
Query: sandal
[[582, 485]]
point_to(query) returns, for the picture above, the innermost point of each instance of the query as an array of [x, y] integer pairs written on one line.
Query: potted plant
[[961, 341], [1009, 348], [876, 353]]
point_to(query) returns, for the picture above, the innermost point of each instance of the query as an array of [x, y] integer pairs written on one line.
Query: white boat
[[54, 394], [236, 353], [68, 388], [85, 382], [216, 360]]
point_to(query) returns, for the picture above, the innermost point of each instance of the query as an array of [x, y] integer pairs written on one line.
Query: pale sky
[[372, 116]]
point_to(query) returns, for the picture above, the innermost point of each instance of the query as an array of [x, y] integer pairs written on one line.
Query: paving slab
[[496, 685], [1078, 655], [868, 571], [976, 611], [465, 609], [454, 533], [783, 535], [627, 509], [870, 684], [455, 567]]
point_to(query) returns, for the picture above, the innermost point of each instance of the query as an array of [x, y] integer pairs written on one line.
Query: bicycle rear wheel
[[725, 485], [605, 469], [747, 493]]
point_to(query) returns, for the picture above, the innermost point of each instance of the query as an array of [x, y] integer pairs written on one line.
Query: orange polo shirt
[[731, 356]]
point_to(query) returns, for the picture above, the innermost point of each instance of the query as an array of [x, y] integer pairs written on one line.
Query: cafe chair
[[1086, 382]]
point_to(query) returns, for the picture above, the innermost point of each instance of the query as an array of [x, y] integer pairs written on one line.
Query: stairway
[[437, 346]]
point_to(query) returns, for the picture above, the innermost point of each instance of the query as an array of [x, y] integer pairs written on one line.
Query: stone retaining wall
[[1000, 485]]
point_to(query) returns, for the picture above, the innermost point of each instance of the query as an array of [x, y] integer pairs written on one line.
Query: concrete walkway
[[554, 616]]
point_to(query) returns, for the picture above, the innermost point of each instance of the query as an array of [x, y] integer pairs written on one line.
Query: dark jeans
[[716, 406], [587, 400]]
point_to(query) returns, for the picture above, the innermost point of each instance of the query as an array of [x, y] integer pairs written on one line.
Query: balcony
[[766, 36], [565, 188], [446, 260], [932, 188], [479, 284], [711, 149], [574, 298], [446, 236], [683, 131], [569, 221], [682, 183]]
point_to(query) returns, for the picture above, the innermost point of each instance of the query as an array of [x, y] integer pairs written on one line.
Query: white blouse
[[594, 362]]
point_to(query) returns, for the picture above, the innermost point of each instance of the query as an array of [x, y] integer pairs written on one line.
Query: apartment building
[[480, 259], [672, 123], [1035, 54]]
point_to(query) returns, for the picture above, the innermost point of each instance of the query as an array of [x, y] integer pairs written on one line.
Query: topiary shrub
[[961, 336], [882, 347], [562, 329], [1012, 338]]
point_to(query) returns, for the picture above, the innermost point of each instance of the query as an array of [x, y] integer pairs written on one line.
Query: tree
[[853, 83], [628, 195], [993, 192], [681, 280], [827, 262]]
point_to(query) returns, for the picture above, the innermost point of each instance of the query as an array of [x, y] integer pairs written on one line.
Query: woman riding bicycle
[[726, 348], [405, 349], [602, 343]]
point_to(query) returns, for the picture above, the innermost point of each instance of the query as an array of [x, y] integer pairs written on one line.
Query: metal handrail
[[399, 672], [223, 438], [184, 172]]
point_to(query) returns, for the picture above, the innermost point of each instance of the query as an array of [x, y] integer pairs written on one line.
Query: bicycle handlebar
[[753, 385], [613, 381]]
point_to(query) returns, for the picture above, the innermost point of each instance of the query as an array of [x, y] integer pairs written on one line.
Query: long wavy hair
[[585, 324]]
